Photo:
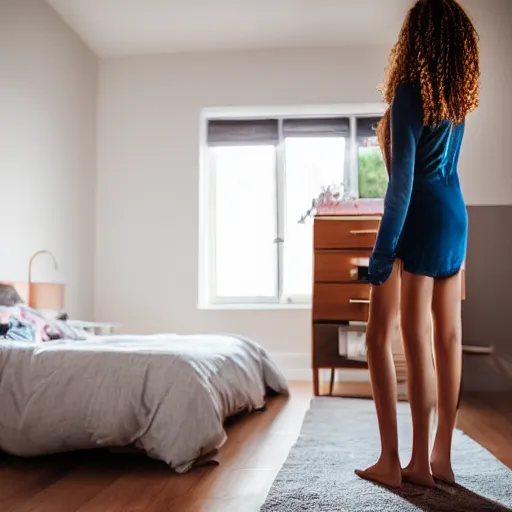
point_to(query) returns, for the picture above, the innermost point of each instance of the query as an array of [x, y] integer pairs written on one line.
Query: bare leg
[[448, 355], [382, 326], [416, 323]]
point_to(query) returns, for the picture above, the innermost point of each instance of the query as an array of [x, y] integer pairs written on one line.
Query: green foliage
[[373, 178]]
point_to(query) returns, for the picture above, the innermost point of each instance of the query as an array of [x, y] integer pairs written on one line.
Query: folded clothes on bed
[[27, 322], [17, 330]]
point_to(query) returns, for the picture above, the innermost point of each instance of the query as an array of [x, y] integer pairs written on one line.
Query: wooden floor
[[256, 449]]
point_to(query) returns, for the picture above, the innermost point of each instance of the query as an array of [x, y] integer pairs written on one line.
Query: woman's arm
[[406, 129]]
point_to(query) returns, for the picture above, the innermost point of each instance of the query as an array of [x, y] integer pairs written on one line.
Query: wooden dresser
[[342, 248], [341, 294]]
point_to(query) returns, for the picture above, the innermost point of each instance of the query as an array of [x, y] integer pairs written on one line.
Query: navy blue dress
[[425, 220]]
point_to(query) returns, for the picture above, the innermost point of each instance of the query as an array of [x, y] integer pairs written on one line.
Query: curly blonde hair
[[437, 49]]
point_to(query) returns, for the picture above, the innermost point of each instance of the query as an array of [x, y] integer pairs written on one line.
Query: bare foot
[[384, 473], [442, 470], [416, 476]]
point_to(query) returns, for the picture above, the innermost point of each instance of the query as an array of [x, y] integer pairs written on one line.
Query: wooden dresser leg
[[316, 381], [331, 383]]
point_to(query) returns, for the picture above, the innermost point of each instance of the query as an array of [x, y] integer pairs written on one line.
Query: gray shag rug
[[340, 435]]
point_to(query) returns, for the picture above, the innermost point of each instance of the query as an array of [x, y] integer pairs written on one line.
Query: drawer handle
[[359, 301], [364, 231]]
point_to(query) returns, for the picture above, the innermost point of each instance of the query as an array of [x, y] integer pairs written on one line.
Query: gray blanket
[[167, 395]]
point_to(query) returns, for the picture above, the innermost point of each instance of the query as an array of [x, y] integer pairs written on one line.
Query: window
[[372, 175], [245, 225], [260, 177]]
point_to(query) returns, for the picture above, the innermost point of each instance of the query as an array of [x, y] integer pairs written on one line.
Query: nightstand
[[98, 328]]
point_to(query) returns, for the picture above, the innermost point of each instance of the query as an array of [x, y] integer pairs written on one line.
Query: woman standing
[[432, 83]]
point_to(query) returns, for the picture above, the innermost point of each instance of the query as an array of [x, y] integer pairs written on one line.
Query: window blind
[[366, 127], [318, 127], [248, 131]]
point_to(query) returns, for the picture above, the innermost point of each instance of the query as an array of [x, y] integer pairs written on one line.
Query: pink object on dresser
[[354, 207]]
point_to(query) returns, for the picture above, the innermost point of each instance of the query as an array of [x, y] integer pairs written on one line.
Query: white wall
[[148, 159], [486, 169], [147, 203], [48, 85]]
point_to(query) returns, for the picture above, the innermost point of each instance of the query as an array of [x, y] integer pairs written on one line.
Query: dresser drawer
[[341, 302], [340, 266], [346, 232]]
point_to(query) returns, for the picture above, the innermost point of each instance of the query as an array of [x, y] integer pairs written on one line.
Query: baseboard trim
[[297, 366]]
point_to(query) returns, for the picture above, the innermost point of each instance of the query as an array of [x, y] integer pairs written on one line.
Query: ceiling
[[124, 27]]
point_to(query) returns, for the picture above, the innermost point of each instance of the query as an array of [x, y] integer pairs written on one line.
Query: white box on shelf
[[352, 341]]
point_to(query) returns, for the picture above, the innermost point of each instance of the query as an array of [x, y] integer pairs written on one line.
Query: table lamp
[[45, 296]]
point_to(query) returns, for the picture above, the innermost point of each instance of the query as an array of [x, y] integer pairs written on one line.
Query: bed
[[167, 395]]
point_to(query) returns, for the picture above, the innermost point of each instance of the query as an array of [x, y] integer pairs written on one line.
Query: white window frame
[[207, 272]]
